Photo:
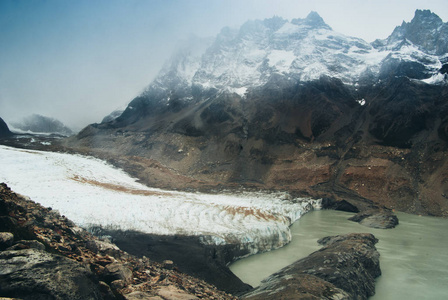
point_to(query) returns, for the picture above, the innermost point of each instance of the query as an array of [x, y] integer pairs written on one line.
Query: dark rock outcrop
[[343, 205], [4, 130], [6, 240], [345, 268], [36, 274]]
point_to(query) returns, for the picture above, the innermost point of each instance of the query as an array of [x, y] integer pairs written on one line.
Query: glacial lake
[[413, 261]]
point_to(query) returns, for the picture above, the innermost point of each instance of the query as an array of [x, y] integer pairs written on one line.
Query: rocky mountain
[[41, 124], [418, 49], [4, 129], [294, 105]]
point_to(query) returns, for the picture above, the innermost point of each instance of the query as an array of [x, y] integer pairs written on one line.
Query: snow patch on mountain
[[281, 60], [437, 79], [93, 193]]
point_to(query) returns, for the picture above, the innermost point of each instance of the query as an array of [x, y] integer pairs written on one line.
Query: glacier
[[93, 193]]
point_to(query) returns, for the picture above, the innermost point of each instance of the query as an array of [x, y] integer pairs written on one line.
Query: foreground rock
[[345, 268], [36, 274], [45, 256]]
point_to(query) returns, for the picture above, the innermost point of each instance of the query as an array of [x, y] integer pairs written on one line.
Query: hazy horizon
[[77, 61]]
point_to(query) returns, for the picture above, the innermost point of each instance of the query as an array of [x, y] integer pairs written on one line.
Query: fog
[[77, 61]]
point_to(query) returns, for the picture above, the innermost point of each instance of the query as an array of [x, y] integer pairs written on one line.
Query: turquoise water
[[414, 255]]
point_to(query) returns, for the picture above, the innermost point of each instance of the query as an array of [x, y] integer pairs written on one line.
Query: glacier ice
[[93, 193]]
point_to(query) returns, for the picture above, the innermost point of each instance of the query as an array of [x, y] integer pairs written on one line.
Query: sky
[[77, 61]]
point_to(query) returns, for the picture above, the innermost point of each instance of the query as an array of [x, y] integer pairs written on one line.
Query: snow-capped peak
[[313, 20], [426, 31], [300, 50]]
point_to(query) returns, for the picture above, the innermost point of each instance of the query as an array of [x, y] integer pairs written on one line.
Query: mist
[[77, 61]]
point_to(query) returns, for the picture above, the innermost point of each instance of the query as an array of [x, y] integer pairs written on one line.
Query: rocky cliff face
[[293, 105]]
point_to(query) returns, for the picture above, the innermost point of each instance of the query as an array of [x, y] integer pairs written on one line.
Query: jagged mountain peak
[[274, 23], [425, 15], [313, 20], [426, 31]]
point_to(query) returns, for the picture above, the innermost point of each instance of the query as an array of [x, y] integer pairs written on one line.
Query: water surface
[[414, 255]]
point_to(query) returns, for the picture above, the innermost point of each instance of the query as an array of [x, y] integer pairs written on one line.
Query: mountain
[[298, 50], [426, 32], [41, 124], [418, 49], [294, 105]]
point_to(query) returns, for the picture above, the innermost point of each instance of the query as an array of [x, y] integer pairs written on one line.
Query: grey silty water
[[414, 255]]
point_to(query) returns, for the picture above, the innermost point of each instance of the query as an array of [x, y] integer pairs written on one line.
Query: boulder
[[102, 246], [117, 271], [171, 292], [106, 291], [35, 274], [141, 296], [6, 240]]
